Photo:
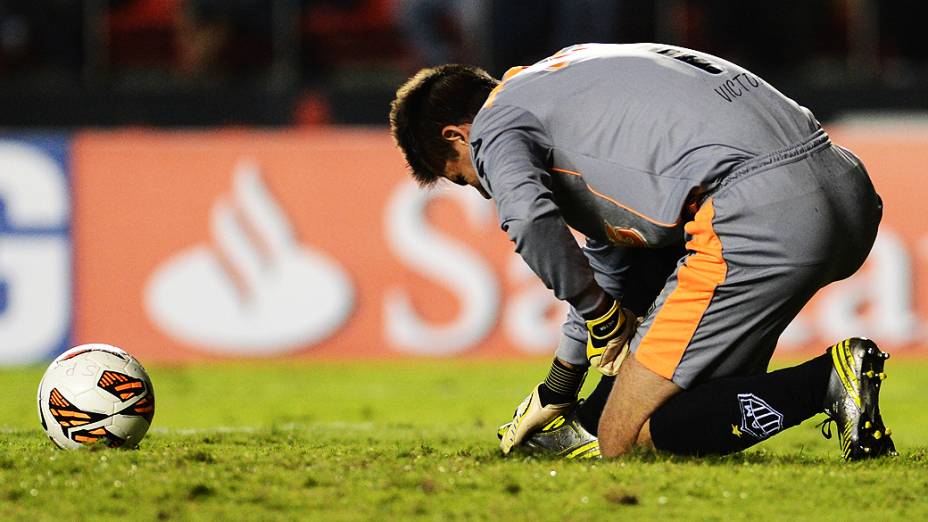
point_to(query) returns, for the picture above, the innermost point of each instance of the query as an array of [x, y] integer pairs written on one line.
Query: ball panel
[[130, 428]]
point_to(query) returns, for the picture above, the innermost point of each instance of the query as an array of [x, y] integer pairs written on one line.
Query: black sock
[[592, 407], [562, 384], [728, 415]]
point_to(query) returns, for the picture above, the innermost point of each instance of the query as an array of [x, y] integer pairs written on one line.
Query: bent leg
[[718, 417], [757, 252], [732, 414]]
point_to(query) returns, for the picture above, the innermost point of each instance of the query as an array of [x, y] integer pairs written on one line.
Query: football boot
[[852, 399]]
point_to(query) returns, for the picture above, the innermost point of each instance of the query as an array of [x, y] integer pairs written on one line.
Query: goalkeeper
[[680, 155]]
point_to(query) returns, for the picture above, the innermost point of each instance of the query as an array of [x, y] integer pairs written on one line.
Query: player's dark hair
[[433, 98]]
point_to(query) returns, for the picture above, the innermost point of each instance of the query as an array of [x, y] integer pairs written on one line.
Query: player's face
[[460, 170]]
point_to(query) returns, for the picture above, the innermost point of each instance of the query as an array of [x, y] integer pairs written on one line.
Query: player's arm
[[512, 167], [511, 151], [611, 265]]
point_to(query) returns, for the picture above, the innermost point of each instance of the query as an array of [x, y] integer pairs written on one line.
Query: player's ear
[[456, 132]]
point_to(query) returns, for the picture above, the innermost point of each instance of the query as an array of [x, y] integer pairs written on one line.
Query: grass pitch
[[416, 440]]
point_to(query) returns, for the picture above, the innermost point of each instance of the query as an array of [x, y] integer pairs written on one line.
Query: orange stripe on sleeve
[[675, 323]]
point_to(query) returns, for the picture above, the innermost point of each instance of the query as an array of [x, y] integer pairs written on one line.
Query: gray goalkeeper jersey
[[619, 142]]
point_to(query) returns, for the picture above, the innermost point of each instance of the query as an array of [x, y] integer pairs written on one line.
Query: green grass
[[416, 440]]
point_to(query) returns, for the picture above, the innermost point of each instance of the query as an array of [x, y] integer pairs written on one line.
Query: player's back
[[646, 123]]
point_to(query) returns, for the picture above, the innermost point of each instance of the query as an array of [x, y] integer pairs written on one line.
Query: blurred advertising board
[[213, 244], [35, 248], [201, 245]]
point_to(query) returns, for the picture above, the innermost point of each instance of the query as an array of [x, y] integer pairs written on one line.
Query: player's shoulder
[[504, 132], [496, 119]]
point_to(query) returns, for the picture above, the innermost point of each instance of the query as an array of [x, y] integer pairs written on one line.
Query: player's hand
[[607, 342], [530, 416]]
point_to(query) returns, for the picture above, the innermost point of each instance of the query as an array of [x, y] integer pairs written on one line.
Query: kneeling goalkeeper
[[744, 207]]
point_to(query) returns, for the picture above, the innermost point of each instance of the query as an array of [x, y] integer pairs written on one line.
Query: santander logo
[[254, 289]]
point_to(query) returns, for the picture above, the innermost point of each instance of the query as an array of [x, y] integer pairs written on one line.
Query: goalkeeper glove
[[607, 342], [530, 416]]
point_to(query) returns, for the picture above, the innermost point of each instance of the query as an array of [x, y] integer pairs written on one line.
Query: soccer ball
[[96, 394]]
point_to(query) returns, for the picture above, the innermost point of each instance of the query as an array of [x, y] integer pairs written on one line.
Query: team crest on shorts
[[758, 418]]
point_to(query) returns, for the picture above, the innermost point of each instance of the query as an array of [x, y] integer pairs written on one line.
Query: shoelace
[[825, 425]]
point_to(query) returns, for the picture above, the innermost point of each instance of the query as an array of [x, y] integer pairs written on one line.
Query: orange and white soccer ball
[[96, 394]]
